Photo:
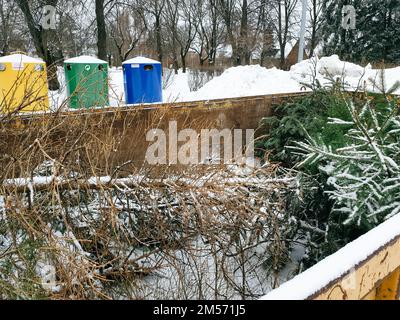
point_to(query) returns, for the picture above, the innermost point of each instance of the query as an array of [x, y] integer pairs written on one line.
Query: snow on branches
[[364, 174]]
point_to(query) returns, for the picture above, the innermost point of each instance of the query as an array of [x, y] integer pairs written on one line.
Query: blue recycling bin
[[142, 80]]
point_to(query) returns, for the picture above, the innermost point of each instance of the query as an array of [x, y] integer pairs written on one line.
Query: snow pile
[[176, 86], [391, 76], [247, 81], [58, 98], [333, 267], [352, 76], [334, 66], [326, 67]]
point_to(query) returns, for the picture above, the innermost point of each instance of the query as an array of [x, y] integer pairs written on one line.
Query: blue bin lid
[[141, 60]]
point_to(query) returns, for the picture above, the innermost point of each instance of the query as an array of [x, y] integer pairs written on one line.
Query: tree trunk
[[101, 31], [313, 43], [201, 60], [5, 49], [176, 64], [158, 38], [283, 34], [227, 17], [243, 42], [175, 61], [39, 38], [183, 59], [235, 53]]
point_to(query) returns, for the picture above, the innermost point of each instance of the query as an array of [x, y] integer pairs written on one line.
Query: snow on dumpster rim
[[19, 58], [141, 60], [336, 265], [84, 59]]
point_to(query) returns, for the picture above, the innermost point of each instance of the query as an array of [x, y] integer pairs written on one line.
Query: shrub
[[345, 148], [306, 116], [364, 173]]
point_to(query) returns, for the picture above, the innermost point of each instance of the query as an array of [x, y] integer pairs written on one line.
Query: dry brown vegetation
[[81, 217]]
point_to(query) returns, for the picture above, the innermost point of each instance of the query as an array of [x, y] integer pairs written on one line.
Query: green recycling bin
[[87, 82]]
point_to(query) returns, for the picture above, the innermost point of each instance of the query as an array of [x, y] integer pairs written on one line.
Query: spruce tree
[[376, 36], [364, 175]]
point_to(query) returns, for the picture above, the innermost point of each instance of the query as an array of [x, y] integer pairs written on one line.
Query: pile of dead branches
[[76, 223]]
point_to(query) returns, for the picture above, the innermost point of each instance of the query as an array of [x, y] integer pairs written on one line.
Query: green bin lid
[[85, 60]]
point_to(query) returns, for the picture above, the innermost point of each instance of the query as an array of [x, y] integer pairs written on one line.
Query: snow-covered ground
[[255, 80]]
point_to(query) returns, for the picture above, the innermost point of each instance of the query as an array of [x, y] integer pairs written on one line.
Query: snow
[[19, 58], [176, 87], [116, 87], [248, 80], [29, 182], [254, 80], [352, 76], [333, 65], [141, 60], [331, 268], [85, 59]]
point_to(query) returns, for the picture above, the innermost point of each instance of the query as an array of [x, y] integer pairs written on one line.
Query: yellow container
[[23, 84]]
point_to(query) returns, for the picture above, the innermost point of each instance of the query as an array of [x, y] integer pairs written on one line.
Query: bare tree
[[127, 29], [227, 11], [40, 37], [171, 18], [155, 10], [186, 29], [243, 41], [75, 36], [243, 26], [284, 11], [8, 20], [209, 30], [267, 32], [181, 29], [315, 24]]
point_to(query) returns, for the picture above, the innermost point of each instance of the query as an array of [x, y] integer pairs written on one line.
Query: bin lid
[[85, 59], [19, 58], [141, 60]]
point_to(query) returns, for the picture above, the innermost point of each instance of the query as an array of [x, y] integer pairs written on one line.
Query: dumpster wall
[[132, 123], [367, 268]]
